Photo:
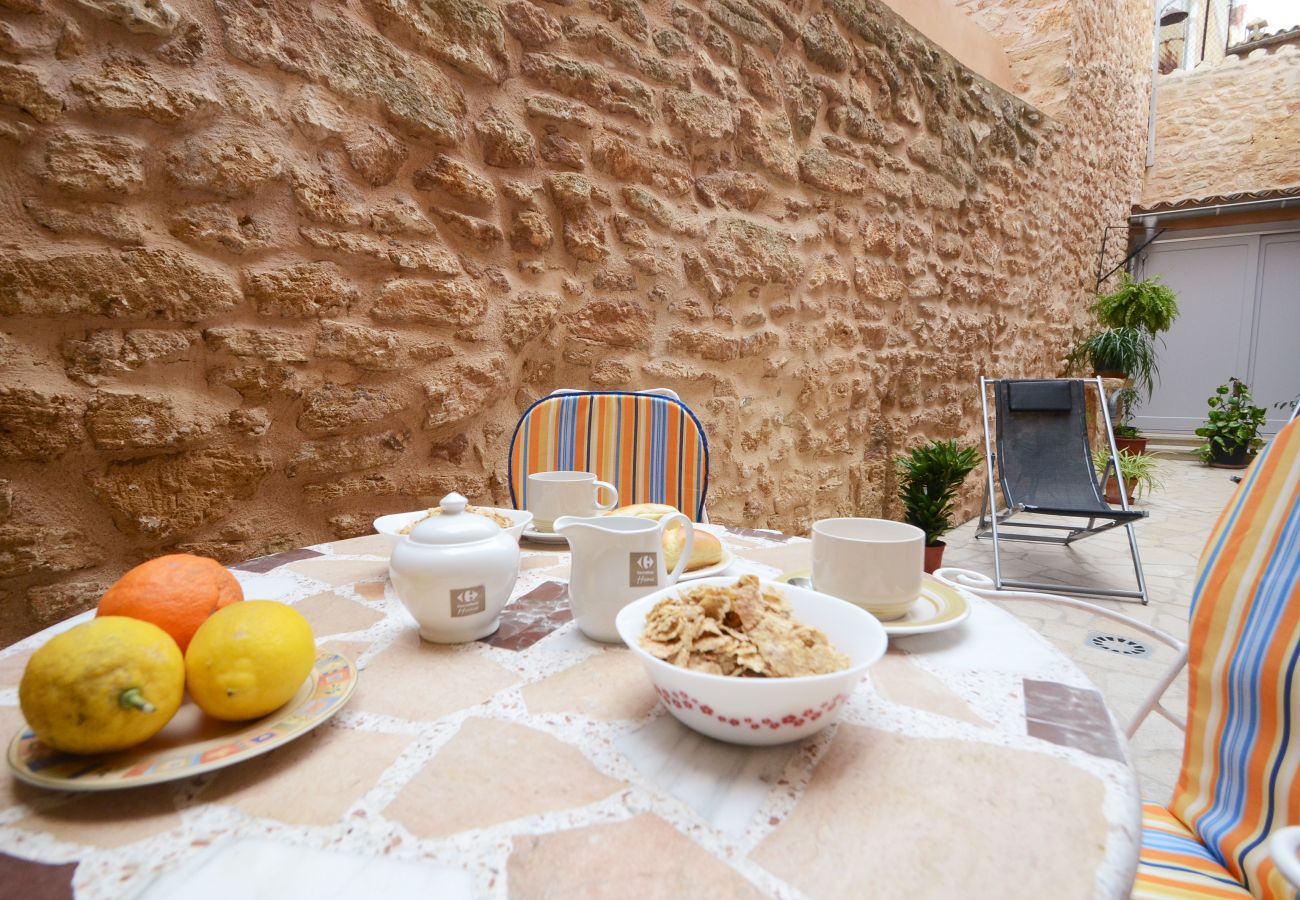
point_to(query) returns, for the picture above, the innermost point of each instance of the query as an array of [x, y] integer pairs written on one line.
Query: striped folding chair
[[1240, 779], [648, 444]]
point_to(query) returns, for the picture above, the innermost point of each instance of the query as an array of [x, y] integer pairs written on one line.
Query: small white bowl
[[390, 526], [762, 711]]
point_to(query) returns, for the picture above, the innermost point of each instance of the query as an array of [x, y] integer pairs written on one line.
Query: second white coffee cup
[[554, 494], [872, 563]]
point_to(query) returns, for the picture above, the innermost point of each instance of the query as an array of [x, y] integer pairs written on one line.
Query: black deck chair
[[1044, 467]]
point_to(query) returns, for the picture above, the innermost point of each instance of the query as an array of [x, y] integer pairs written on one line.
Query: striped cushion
[[651, 448], [1240, 778], [1175, 865]]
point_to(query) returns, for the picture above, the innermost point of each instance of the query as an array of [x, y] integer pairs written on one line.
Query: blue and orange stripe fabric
[[652, 448], [1175, 865], [1240, 778]]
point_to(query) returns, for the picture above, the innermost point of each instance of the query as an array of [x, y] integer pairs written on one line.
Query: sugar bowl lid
[[454, 526]]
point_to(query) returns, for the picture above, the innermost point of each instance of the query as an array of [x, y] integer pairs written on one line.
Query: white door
[[1239, 301]]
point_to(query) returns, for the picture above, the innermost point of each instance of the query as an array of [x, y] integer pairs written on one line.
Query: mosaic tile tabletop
[[975, 762]]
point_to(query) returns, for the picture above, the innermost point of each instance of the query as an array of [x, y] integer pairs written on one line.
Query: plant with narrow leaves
[[1148, 305], [930, 476], [1234, 422], [1128, 350], [1140, 470]]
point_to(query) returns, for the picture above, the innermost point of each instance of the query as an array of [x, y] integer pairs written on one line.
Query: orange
[[176, 592]]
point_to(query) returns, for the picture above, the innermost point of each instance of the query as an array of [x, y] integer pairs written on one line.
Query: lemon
[[248, 659], [105, 685]]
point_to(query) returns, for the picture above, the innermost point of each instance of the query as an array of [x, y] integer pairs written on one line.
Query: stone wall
[[1227, 127], [273, 268]]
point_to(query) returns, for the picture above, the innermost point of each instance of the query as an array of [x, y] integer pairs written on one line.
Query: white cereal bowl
[[390, 526], [761, 711]]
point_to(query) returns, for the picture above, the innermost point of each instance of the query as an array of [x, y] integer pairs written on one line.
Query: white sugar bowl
[[454, 573]]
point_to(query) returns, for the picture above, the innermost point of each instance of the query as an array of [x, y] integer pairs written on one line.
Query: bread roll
[[655, 511], [706, 551]]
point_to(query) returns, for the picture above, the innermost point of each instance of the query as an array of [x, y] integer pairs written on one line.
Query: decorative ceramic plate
[[939, 607], [716, 569], [192, 743], [544, 537]]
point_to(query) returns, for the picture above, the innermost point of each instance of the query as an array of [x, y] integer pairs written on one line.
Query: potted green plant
[[1127, 352], [1147, 305], [1140, 472], [1132, 317], [1231, 430], [929, 477], [1127, 435]]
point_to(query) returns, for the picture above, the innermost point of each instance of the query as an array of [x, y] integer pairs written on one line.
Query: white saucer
[[716, 569], [544, 537], [939, 608]]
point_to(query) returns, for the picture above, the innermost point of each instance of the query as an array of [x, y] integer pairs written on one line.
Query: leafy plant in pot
[[1147, 305], [1231, 430], [1127, 435], [1121, 353], [929, 477], [1132, 317], [1139, 471]]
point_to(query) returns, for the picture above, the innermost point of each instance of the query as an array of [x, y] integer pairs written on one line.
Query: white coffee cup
[[872, 563], [554, 494]]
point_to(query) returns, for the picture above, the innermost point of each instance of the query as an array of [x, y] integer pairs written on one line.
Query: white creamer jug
[[615, 560], [454, 573]]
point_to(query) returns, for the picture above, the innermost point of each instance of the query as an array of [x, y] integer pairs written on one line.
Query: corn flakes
[[503, 521], [737, 630]]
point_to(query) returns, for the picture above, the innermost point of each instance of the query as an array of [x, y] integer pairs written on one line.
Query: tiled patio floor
[[1169, 541]]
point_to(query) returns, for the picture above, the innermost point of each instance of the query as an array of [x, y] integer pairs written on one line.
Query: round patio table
[[972, 762]]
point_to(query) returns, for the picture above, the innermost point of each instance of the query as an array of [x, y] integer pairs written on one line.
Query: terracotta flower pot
[[1112, 492], [1134, 445], [934, 556]]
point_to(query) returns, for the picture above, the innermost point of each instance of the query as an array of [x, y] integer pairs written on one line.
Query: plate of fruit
[[177, 675]]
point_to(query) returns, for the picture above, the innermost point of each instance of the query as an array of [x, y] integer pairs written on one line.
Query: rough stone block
[[348, 58], [27, 547], [375, 154], [261, 343], [125, 86], [130, 283], [591, 84], [336, 407], [259, 382], [530, 315], [464, 390], [455, 302], [464, 34], [305, 290], [824, 45], [505, 144], [138, 16], [531, 25], [91, 163], [425, 256], [35, 425], [167, 496], [49, 604], [457, 179], [334, 456], [104, 352], [109, 221], [366, 348], [215, 224], [138, 422], [23, 87], [615, 323], [226, 163]]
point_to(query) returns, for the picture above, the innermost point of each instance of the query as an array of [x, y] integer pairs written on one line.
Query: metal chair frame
[[994, 523]]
